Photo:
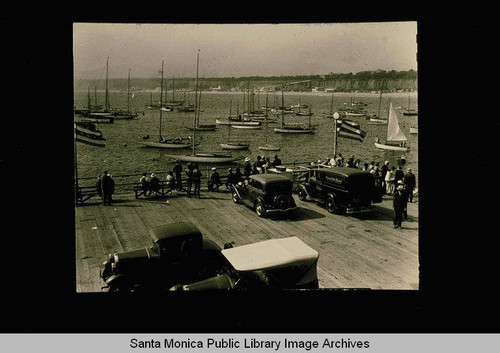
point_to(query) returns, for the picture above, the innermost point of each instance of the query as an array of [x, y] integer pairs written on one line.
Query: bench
[[163, 189], [84, 193]]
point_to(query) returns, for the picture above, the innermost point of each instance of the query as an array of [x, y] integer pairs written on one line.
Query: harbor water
[[124, 153]]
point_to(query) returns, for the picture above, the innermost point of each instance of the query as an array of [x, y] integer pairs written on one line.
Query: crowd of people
[[394, 181]]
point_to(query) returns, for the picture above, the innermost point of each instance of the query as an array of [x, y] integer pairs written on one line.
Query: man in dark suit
[[399, 202]]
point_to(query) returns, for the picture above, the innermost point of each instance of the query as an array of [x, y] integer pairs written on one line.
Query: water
[[124, 153]]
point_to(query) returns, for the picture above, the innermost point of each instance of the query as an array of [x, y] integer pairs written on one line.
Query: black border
[[456, 240]]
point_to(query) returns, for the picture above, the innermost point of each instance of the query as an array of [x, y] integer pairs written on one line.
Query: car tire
[[302, 194], [260, 209], [235, 197], [332, 207]]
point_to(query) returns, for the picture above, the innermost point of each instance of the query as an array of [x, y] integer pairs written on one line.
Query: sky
[[239, 50]]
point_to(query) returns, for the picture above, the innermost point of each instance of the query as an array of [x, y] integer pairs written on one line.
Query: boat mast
[[106, 108], [196, 99], [379, 102], [265, 129], [88, 99], [282, 108], [128, 93], [161, 97]]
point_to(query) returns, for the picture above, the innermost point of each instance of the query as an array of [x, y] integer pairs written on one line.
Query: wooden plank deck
[[360, 251]]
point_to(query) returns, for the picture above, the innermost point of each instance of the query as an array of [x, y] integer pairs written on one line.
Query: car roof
[[269, 254], [266, 178], [341, 171], [172, 230]]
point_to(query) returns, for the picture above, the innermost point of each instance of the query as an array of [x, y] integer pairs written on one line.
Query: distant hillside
[[365, 81]]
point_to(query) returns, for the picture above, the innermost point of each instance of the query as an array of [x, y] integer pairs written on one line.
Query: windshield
[[283, 277]]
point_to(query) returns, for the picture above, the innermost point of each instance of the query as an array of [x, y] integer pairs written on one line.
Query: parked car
[[181, 259], [265, 193], [341, 190]]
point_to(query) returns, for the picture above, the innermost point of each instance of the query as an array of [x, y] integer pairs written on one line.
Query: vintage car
[[286, 263], [341, 190], [181, 259], [265, 193]]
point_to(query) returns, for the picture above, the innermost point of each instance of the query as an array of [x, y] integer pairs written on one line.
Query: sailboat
[[201, 157], [172, 143], [300, 128], [409, 111], [299, 113], [394, 134], [233, 145], [197, 126], [267, 146], [173, 102], [121, 114], [376, 119], [236, 120]]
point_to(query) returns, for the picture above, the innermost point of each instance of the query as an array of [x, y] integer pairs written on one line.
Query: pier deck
[[360, 251]]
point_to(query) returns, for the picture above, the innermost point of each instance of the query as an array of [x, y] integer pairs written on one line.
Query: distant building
[[329, 89], [218, 88]]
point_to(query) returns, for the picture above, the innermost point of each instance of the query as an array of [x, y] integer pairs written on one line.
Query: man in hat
[[399, 202], [189, 178], [107, 185], [247, 168], [214, 180], [409, 183]]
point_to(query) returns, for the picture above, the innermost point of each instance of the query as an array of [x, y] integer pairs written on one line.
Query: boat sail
[[172, 143], [201, 157], [395, 135]]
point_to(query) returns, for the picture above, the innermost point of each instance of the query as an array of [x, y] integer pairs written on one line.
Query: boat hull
[[203, 158], [167, 145], [246, 127], [293, 131], [236, 122], [390, 147], [234, 146]]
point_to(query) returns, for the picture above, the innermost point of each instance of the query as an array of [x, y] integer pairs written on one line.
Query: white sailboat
[[233, 145], [395, 140], [299, 128]]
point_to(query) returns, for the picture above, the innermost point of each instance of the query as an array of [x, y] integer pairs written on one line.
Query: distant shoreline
[[286, 93]]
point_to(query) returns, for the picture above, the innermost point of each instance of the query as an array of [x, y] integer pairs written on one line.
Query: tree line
[[363, 80]]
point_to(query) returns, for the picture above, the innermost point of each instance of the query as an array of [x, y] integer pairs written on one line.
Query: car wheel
[[236, 198], [332, 206], [260, 209], [302, 194]]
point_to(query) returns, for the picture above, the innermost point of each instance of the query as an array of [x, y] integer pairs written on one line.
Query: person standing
[[154, 184], [409, 183], [398, 175], [247, 168], [383, 173], [178, 175], [399, 203], [197, 181], [144, 180], [107, 188], [189, 178], [230, 179], [389, 181], [238, 176]]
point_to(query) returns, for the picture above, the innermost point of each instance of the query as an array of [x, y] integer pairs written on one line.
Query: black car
[[181, 259], [341, 190], [265, 193]]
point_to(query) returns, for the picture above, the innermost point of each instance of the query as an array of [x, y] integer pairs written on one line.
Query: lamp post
[[335, 117]]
